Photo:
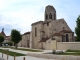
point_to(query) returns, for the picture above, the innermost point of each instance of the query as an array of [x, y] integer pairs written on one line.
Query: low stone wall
[[68, 45], [58, 57]]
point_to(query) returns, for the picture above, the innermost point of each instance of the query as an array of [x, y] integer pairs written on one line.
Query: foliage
[[77, 29], [75, 54], [1, 38], [15, 36], [73, 50]]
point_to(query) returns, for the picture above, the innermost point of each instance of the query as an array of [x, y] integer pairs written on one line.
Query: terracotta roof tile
[[57, 34], [65, 31], [26, 33], [7, 38]]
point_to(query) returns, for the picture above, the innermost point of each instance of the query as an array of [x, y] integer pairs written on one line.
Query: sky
[[20, 14]]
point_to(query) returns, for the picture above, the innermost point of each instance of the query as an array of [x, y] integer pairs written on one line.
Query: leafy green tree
[[77, 29], [1, 39], [16, 37]]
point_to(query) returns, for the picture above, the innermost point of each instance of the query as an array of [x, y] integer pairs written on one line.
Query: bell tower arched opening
[[46, 16], [50, 16]]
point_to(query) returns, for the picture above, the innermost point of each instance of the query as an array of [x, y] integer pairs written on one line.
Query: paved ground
[[24, 52], [59, 57]]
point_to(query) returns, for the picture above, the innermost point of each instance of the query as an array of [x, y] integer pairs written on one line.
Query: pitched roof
[[44, 39], [57, 34], [7, 38], [36, 23], [26, 33], [43, 31], [65, 31]]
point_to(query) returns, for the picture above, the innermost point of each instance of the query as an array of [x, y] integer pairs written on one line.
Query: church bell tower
[[50, 13]]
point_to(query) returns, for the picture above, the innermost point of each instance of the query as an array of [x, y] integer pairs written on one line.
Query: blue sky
[[20, 14]]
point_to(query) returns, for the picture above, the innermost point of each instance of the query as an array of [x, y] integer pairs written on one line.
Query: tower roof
[[49, 8]]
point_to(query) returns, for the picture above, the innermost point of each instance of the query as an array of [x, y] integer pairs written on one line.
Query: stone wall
[[58, 25], [50, 45], [68, 45], [47, 29], [25, 42], [36, 39]]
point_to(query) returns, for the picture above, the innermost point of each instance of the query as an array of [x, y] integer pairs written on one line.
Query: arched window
[[46, 16], [54, 16], [62, 38], [67, 39], [35, 31], [50, 16]]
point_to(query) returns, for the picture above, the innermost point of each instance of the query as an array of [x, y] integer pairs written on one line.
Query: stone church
[[50, 29]]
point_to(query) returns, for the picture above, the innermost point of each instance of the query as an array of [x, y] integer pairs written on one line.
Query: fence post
[[14, 57], [2, 54], [23, 58], [7, 56]]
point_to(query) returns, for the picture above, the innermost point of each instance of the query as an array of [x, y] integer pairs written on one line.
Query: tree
[[16, 37], [1, 38], [77, 29]]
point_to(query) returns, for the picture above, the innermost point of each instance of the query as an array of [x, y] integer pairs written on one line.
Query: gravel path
[[2, 59]]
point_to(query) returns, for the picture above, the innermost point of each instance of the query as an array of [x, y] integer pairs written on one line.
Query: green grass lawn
[[76, 54], [31, 50], [73, 51], [11, 53]]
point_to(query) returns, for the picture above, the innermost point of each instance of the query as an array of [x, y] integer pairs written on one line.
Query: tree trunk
[[0, 44], [16, 46]]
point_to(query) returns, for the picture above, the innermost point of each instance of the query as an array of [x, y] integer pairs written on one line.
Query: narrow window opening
[[35, 32], [54, 16], [46, 17], [50, 16]]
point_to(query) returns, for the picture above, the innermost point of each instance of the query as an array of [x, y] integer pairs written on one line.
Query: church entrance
[[67, 40]]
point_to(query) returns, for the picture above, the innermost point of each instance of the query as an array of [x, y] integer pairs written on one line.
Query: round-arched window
[[46, 16], [50, 16]]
